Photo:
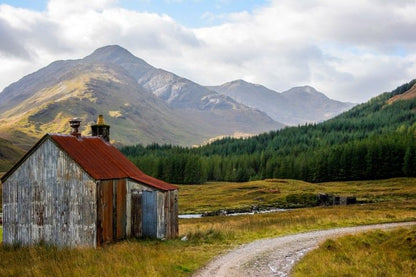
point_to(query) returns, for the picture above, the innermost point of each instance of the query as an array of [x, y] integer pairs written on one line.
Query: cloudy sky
[[349, 50]]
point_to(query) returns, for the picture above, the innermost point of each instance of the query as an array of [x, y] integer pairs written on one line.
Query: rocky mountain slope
[[295, 106], [9, 154], [111, 81]]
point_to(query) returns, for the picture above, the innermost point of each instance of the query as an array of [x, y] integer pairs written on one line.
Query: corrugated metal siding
[[49, 198]]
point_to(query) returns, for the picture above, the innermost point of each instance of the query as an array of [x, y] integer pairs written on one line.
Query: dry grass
[[210, 236], [376, 253], [207, 237], [240, 229], [129, 258], [219, 195]]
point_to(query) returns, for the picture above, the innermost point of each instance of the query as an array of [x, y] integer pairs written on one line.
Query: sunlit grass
[[219, 195], [376, 253], [240, 229], [128, 258], [210, 236], [206, 237]]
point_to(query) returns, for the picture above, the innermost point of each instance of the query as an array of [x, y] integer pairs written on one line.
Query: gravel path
[[276, 256]]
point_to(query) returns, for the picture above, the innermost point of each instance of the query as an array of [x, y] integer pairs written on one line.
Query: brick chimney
[[75, 123], [101, 129]]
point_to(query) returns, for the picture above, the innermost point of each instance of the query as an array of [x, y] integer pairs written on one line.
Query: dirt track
[[276, 256]]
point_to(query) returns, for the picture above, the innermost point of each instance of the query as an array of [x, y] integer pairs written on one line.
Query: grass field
[[393, 200], [376, 253], [273, 192]]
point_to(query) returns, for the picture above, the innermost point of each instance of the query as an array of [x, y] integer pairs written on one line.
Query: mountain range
[[298, 105], [373, 140], [144, 104]]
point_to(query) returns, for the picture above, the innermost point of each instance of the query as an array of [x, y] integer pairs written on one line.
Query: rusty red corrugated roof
[[102, 161]]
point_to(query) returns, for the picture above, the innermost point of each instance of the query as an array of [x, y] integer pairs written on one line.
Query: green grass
[[210, 236], [376, 253]]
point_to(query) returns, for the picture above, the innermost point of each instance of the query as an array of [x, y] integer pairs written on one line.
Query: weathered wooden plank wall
[[132, 186], [136, 213], [105, 212], [161, 216], [49, 198], [120, 209], [166, 211]]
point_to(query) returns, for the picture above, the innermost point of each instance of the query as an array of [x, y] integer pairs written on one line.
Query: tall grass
[[128, 258], [207, 237], [376, 253]]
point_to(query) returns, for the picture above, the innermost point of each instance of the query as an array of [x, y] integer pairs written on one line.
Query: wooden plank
[[49, 198], [167, 215], [136, 214], [174, 216], [121, 209], [106, 207], [99, 232]]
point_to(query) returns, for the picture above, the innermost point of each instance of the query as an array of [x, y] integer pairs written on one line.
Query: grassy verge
[[210, 236], [376, 253]]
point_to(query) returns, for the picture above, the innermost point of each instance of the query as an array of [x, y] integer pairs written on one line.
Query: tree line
[[374, 140]]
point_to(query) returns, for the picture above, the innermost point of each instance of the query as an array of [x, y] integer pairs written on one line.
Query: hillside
[[374, 140], [299, 105], [9, 154], [106, 82]]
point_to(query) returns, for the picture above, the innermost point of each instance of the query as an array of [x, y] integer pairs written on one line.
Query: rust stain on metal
[[103, 161], [81, 191]]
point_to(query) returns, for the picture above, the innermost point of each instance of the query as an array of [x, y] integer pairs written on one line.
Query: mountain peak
[[115, 54], [305, 90], [111, 50], [111, 53], [239, 83]]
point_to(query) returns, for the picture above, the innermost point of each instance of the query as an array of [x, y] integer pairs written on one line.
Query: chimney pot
[[100, 120], [75, 123], [101, 129]]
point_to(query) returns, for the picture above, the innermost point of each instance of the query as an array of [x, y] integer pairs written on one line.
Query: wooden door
[[104, 212], [120, 216], [149, 214], [136, 213], [111, 211]]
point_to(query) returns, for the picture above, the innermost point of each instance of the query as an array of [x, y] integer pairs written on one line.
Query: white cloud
[[350, 50]]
